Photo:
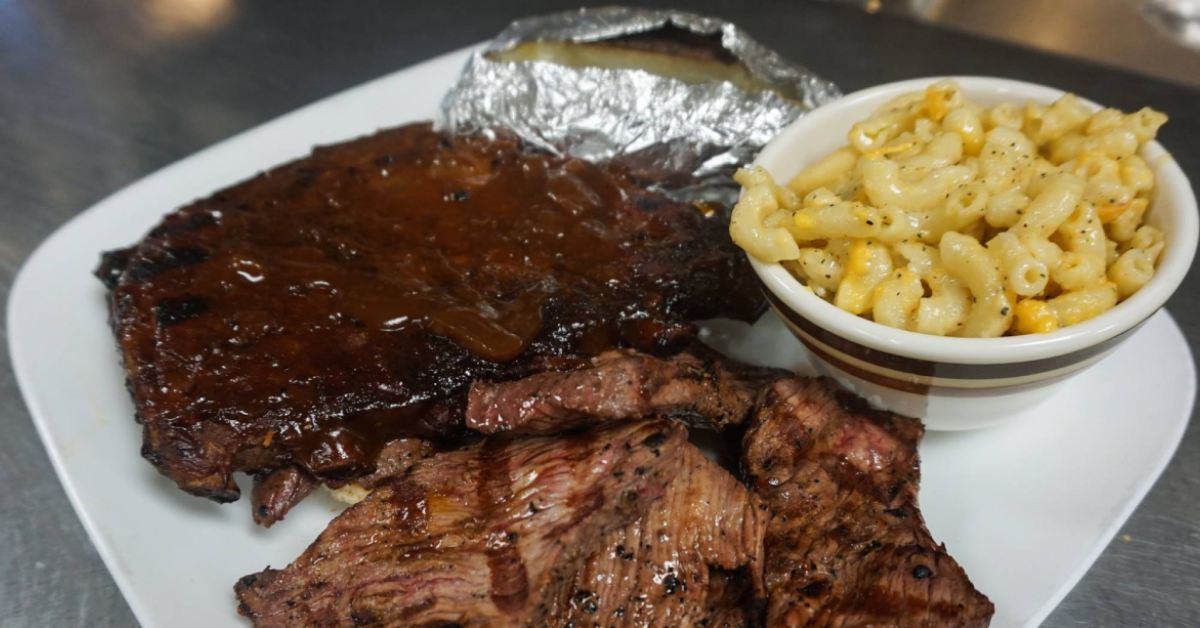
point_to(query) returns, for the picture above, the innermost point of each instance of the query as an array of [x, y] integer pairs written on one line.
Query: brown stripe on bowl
[[917, 376]]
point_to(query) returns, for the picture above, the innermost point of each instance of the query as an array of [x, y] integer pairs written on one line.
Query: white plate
[[1025, 507]]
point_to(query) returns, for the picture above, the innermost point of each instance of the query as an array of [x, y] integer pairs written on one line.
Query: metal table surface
[[95, 95]]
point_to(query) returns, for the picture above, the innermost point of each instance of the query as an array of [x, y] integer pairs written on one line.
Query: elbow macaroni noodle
[[944, 217]]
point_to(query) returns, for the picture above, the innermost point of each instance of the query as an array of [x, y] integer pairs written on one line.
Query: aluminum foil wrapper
[[683, 137]]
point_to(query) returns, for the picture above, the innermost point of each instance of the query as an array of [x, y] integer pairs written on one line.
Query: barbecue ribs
[[297, 322]]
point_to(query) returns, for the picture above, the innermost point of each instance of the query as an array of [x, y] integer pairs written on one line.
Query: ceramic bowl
[[962, 383]]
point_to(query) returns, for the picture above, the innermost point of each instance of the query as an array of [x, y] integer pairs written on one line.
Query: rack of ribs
[[293, 324]]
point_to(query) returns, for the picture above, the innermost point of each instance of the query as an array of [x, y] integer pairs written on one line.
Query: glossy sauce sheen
[[325, 307]]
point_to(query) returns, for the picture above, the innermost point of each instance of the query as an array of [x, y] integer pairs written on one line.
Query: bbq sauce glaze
[[313, 313]]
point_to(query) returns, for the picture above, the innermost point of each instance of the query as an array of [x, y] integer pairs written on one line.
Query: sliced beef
[[847, 545], [698, 386], [395, 459], [488, 535], [693, 559], [311, 314]]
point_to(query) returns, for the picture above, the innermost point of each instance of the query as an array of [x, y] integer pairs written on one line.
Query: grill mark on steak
[[419, 549], [847, 545], [699, 387], [346, 299], [509, 580]]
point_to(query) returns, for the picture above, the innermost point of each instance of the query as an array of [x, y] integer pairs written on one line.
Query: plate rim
[[1143, 488]]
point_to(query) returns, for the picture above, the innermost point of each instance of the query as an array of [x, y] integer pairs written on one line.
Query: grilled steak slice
[[395, 459], [847, 545], [310, 315], [698, 386], [696, 553], [474, 537]]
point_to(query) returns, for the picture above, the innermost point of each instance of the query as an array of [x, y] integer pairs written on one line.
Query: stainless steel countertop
[[95, 95], [1111, 32]]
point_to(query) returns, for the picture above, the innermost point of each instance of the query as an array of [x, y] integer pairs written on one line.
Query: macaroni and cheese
[[945, 217]]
